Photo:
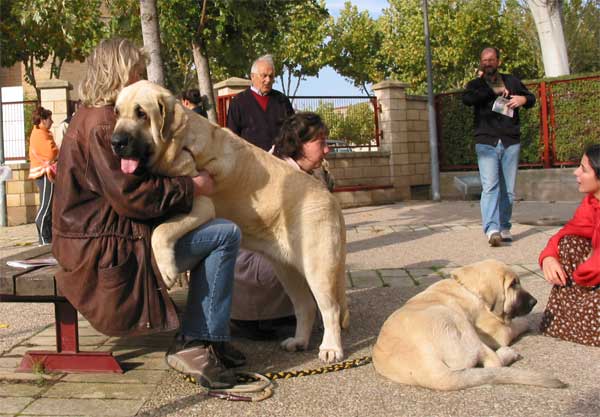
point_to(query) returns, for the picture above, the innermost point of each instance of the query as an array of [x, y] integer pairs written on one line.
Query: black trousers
[[43, 219]]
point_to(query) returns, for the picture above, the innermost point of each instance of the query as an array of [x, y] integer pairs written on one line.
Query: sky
[[329, 83]]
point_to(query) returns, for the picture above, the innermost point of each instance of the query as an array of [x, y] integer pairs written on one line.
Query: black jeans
[[43, 219]]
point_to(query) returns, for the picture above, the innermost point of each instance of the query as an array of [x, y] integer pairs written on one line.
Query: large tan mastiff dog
[[440, 336], [283, 213]]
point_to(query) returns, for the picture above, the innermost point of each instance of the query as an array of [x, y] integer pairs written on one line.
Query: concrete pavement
[[394, 252]]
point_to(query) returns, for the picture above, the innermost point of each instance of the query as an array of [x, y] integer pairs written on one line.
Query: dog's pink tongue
[[129, 165]]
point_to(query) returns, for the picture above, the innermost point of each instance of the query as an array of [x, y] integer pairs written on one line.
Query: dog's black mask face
[[126, 142], [125, 145], [523, 304]]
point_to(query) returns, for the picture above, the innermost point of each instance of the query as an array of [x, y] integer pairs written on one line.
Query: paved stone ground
[[394, 252]]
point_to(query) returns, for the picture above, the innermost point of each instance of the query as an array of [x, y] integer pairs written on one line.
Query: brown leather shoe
[[228, 354], [199, 359]]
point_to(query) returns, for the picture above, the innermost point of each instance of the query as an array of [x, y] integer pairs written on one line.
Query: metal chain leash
[[247, 380]]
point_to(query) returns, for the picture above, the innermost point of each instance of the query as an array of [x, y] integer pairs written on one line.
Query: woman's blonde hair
[[109, 68]]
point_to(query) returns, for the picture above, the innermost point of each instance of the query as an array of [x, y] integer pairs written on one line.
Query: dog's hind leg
[[304, 306], [167, 233]]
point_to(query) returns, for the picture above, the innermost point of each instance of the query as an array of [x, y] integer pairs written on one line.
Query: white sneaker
[[494, 238], [506, 236]]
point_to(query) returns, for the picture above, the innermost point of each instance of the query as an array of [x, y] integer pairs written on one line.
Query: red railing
[[566, 120], [350, 122]]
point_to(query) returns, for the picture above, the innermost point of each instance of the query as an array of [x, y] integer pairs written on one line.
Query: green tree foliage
[[234, 34], [36, 31], [354, 47], [582, 33], [575, 123], [353, 124], [459, 30], [299, 46]]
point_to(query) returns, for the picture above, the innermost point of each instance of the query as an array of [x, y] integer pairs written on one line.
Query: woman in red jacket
[[571, 262], [42, 156]]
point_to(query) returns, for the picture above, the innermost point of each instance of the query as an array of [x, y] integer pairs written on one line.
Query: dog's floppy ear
[[172, 117], [486, 281]]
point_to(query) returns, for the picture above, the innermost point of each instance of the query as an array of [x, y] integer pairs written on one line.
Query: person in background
[[571, 263], [61, 129], [104, 212], [260, 306], [192, 99], [43, 153], [257, 113], [496, 99]]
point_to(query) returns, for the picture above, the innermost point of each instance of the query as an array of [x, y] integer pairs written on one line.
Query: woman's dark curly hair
[[593, 154], [40, 114], [296, 130], [192, 95]]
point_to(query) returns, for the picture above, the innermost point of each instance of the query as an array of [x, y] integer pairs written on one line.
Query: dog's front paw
[[170, 276], [169, 272], [508, 355], [165, 260], [331, 355], [293, 344]]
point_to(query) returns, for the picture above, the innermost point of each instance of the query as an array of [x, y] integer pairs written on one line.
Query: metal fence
[[352, 120], [553, 133], [16, 127]]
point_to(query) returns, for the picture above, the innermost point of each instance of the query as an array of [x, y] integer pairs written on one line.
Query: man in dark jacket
[[257, 113], [496, 99]]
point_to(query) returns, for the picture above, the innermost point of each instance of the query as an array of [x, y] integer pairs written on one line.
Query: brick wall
[[10, 77], [418, 140], [22, 197], [363, 175]]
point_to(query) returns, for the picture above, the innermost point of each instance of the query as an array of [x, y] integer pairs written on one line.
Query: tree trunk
[[151, 36], [547, 17], [204, 81]]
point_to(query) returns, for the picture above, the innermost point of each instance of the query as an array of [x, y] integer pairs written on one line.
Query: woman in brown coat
[[103, 220]]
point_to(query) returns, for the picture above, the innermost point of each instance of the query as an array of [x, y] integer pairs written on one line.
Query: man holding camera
[[496, 99]]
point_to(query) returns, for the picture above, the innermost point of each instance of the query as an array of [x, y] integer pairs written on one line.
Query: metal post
[[435, 168], [3, 215]]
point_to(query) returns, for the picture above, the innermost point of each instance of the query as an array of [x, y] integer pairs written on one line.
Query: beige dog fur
[[283, 213], [439, 336]]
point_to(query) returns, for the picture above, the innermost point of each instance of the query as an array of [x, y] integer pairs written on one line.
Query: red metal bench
[[37, 285]]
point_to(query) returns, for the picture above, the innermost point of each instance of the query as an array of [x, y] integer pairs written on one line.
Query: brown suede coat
[[102, 221]]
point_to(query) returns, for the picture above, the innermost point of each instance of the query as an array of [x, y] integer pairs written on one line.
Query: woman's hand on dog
[[203, 184], [553, 271]]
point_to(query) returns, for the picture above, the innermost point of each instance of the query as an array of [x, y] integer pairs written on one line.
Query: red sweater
[[585, 223]]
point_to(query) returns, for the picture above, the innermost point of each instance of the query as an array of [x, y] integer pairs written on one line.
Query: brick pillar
[[231, 85], [391, 96], [55, 95]]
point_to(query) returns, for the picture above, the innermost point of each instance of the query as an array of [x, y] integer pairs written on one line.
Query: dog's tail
[[472, 377]]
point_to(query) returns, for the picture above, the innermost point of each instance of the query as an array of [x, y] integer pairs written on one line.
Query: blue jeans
[[498, 172], [209, 253]]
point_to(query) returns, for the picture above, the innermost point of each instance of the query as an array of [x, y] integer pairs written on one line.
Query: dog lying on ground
[[283, 213], [439, 336]]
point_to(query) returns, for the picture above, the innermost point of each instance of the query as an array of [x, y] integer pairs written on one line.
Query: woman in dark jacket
[[103, 219]]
